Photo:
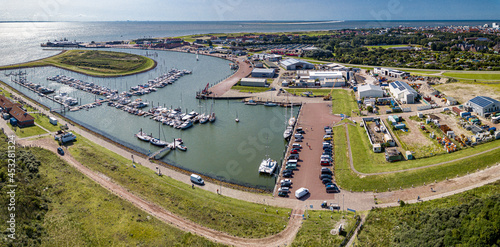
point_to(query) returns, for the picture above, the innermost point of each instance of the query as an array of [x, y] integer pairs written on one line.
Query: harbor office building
[[483, 105], [403, 92]]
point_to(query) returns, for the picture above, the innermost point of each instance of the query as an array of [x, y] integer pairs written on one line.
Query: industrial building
[[483, 105], [265, 73], [403, 92], [332, 82], [370, 91], [295, 64], [390, 72], [325, 75], [253, 82]]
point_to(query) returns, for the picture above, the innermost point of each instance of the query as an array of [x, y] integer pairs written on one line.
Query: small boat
[[237, 119], [186, 125], [158, 142], [251, 102], [181, 147], [270, 104], [212, 117], [143, 136], [288, 132]]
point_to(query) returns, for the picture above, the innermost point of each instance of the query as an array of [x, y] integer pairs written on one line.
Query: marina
[[212, 148]]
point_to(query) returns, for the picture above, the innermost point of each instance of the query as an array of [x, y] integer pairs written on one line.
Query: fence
[[351, 232]]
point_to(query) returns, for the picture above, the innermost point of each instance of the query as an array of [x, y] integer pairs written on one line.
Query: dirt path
[[283, 238]]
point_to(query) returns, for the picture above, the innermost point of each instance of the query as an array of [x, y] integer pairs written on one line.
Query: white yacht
[[267, 166]]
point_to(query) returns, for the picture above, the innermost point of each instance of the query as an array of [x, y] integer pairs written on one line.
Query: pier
[[167, 149]]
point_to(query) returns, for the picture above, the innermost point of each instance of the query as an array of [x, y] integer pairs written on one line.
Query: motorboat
[[288, 132]]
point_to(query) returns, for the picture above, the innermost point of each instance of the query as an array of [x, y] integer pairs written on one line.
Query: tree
[[209, 42]]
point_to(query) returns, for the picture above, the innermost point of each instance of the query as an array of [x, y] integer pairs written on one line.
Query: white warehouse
[[403, 92], [370, 91], [253, 82], [325, 75], [482, 105]]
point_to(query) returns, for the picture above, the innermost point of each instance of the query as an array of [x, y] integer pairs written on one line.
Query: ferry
[[267, 166]]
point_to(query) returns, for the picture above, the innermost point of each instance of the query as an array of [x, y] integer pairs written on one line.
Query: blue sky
[[226, 10]]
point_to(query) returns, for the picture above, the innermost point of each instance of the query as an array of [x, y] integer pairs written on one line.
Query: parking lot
[[313, 117]]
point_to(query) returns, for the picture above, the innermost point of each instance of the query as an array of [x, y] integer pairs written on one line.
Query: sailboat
[[291, 121], [237, 119], [157, 141], [143, 136], [197, 59], [211, 118]]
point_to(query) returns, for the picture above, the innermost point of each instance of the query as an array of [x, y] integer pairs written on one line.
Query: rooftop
[[483, 101], [291, 61]]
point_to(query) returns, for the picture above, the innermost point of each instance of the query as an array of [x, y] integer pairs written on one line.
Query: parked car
[[60, 151], [286, 180], [326, 180], [326, 170], [332, 188], [323, 176], [284, 189], [301, 193], [293, 157], [286, 184], [283, 194]]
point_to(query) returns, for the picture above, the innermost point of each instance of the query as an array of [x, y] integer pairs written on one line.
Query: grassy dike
[[315, 230], [93, 63], [349, 180], [57, 206], [218, 212]]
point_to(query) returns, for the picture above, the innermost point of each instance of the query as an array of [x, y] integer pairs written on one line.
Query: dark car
[[326, 170], [293, 157], [323, 176], [287, 173], [326, 180], [282, 194], [60, 151], [332, 188]]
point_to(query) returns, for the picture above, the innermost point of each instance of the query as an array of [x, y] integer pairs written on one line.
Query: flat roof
[[254, 79], [260, 70], [368, 87]]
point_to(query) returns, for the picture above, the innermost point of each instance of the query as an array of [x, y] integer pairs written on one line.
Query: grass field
[[315, 91], [45, 122], [218, 212], [82, 213], [343, 102], [96, 63], [474, 76], [315, 231], [347, 179], [245, 89], [383, 225], [421, 72], [27, 131]]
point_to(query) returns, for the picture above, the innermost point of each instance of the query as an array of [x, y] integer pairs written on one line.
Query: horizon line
[[277, 21]]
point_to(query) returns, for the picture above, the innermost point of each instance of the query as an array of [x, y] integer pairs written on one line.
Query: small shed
[[420, 115], [409, 155], [53, 120], [377, 148]]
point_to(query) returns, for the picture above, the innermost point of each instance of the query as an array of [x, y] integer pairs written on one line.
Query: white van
[[197, 179], [301, 192]]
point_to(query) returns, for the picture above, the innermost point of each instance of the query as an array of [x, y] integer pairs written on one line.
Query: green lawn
[[347, 179], [222, 213], [315, 231], [245, 89], [421, 72], [474, 76], [82, 213], [96, 63], [343, 101], [45, 122], [315, 91], [27, 131], [440, 218]]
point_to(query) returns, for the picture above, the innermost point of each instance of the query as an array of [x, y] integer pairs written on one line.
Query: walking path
[[283, 238]]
